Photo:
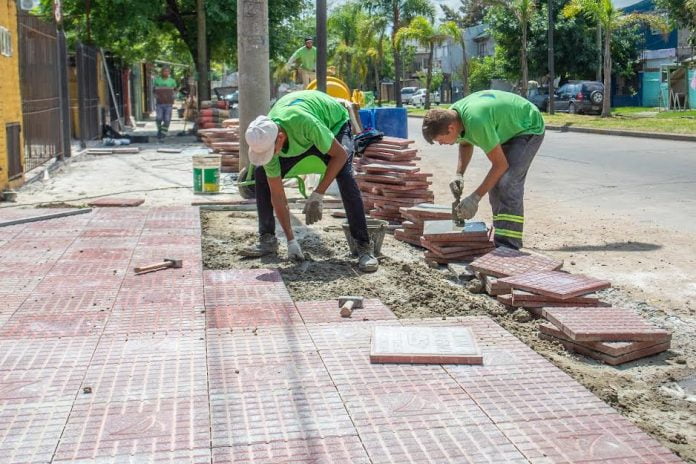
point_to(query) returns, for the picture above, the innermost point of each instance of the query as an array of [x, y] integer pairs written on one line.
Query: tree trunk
[[397, 55], [429, 77], [599, 52], [523, 60], [380, 60], [606, 104], [465, 68]]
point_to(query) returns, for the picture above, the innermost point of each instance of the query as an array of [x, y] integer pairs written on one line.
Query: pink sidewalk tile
[[66, 353], [193, 456], [262, 340], [504, 262], [155, 318], [332, 336], [330, 450], [70, 301], [252, 315], [180, 296], [114, 202], [328, 311], [554, 284], [37, 386], [246, 294], [236, 277], [49, 325]]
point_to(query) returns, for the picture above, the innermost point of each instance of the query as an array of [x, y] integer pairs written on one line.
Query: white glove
[[457, 185], [313, 208], [295, 251], [466, 209]]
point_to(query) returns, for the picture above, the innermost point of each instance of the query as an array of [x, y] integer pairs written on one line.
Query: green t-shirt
[[492, 117], [164, 90], [310, 119], [307, 57]]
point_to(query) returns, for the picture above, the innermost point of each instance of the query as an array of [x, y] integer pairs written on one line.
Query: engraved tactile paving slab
[[604, 324], [36, 386], [427, 345], [91, 268], [116, 202], [555, 284], [235, 277], [135, 427], [76, 324], [335, 450], [69, 302], [110, 232], [252, 315], [152, 318], [354, 334], [246, 294], [260, 416], [604, 438], [505, 262], [67, 353], [328, 311], [258, 340], [181, 296]]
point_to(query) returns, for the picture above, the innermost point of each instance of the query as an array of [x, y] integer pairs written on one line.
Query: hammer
[[168, 262], [348, 304]]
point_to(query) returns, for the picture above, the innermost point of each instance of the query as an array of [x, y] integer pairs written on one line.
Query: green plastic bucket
[[206, 173]]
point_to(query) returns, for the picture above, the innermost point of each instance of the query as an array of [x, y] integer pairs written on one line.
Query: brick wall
[[11, 102]]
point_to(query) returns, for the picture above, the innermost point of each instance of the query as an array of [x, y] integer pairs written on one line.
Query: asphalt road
[[652, 182]]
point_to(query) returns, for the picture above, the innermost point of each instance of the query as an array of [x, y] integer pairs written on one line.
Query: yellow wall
[[10, 99]]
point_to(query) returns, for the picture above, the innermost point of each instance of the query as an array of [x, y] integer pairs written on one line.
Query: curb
[[619, 132]]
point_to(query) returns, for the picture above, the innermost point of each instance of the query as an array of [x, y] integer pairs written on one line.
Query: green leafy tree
[[681, 13], [469, 13], [422, 31], [483, 70], [611, 19]]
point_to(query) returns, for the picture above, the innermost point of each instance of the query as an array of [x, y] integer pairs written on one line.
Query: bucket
[[376, 228], [392, 121], [206, 173]]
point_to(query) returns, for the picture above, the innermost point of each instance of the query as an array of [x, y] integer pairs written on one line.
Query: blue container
[[367, 119], [392, 121]]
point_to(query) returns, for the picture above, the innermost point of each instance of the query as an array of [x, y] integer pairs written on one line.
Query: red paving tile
[[504, 262], [87, 269], [328, 311], [555, 284], [246, 294], [252, 315], [352, 334], [116, 202], [587, 438], [67, 353], [235, 277], [424, 345], [330, 450], [604, 324], [33, 386], [182, 296], [195, 456], [264, 340], [608, 348], [68, 302], [49, 325], [155, 318], [96, 430]]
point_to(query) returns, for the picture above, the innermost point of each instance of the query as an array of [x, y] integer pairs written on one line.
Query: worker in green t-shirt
[[299, 125], [306, 58], [509, 129], [164, 99]]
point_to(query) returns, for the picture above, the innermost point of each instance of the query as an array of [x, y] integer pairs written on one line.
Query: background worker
[[509, 129], [306, 58], [165, 86], [302, 124]]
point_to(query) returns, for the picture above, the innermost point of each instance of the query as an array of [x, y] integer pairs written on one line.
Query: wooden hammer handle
[[347, 308], [152, 267]]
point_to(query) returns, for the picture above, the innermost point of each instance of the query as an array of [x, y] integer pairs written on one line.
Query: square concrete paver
[[554, 284], [604, 324], [334, 450], [328, 311], [424, 345], [505, 262], [252, 315], [116, 202]]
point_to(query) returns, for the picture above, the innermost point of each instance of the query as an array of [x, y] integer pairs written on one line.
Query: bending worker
[[307, 56], [301, 124], [509, 129]]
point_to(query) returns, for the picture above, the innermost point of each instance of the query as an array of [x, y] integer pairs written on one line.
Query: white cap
[[261, 136]]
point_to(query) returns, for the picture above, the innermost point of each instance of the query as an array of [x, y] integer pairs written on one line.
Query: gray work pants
[[507, 197]]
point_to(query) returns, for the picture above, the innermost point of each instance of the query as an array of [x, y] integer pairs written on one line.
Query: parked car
[[418, 98], [580, 97], [407, 93], [539, 96]]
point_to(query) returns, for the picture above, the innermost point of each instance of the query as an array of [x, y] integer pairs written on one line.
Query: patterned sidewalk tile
[[554, 284], [604, 324], [67, 353], [505, 262], [152, 240], [183, 296], [69, 302], [330, 450], [155, 318], [68, 285], [30, 433], [345, 335], [474, 444], [235, 277], [51, 325], [603, 438], [234, 373], [165, 279], [246, 294], [14, 283], [328, 311], [262, 340], [111, 232], [194, 456], [252, 315], [88, 269], [37, 386], [150, 348], [260, 416], [150, 427], [174, 224], [98, 254], [115, 202]]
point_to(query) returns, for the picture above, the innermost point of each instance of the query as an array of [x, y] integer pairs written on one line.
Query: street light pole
[[552, 70]]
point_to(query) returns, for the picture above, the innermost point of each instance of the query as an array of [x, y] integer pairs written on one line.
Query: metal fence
[[43, 101], [87, 91]]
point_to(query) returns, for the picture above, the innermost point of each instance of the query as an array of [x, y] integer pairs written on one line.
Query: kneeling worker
[[301, 124], [509, 129]]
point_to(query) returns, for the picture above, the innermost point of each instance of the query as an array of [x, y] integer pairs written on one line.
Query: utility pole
[[321, 45], [552, 64], [254, 73], [203, 83]]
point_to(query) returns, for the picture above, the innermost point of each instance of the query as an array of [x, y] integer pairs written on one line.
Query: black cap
[[309, 38]]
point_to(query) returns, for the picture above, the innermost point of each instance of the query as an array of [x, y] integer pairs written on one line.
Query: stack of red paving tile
[[224, 141], [389, 178], [415, 216], [612, 335], [446, 242]]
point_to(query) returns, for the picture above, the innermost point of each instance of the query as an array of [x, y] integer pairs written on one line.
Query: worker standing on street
[[509, 129], [164, 98], [301, 124], [307, 57]]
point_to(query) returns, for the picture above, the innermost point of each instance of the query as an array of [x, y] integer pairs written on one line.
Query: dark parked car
[[539, 96], [580, 97]]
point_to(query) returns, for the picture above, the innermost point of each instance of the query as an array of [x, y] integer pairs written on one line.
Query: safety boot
[[366, 258], [268, 244]]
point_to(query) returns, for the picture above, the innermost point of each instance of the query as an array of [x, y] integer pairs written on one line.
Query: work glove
[[313, 208], [295, 251], [457, 186], [466, 209]]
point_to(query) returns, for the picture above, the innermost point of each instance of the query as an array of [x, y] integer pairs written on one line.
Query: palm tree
[[610, 19], [422, 31]]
